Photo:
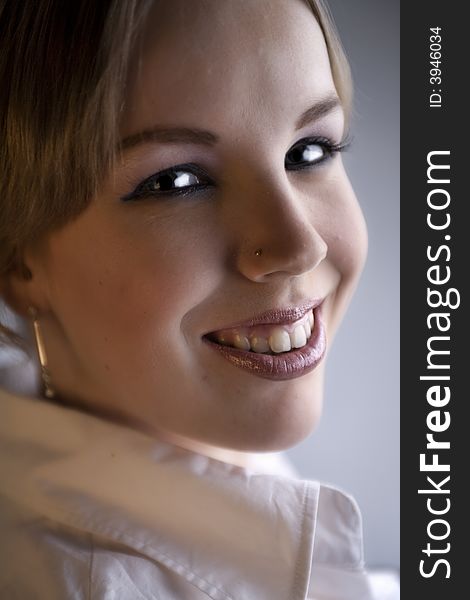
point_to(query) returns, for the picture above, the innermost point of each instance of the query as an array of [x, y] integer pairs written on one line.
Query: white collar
[[207, 520]]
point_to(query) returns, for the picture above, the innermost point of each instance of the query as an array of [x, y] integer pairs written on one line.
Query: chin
[[283, 428]]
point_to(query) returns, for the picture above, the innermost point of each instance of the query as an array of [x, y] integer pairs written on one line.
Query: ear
[[24, 286]]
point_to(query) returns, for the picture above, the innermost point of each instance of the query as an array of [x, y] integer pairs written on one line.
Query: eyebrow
[[191, 135], [318, 110], [170, 135]]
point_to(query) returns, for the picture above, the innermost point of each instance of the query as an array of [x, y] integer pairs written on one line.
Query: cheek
[[345, 230], [173, 266], [131, 277]]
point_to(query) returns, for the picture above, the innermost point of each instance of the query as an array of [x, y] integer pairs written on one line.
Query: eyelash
[[328, 146], [142, 190]]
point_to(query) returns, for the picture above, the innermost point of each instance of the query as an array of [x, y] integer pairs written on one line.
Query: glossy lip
[[282, 366], [274, 316]]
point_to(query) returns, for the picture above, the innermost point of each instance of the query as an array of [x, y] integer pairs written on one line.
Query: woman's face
[[239, 96]]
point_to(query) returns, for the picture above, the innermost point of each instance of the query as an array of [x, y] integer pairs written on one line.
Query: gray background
[[356, 445]]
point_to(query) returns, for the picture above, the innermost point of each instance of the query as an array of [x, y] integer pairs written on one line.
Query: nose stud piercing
[[259, 252]]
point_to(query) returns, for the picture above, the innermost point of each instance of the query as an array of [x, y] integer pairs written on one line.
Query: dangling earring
[[49, 392]]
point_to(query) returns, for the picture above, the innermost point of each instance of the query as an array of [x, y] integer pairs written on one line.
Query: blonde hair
[[338, 60], [63, 68]]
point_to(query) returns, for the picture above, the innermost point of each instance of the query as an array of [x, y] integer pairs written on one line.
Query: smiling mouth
[[267, 349], [270, 339]]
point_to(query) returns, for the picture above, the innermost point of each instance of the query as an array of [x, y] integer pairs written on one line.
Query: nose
[[277, 231]]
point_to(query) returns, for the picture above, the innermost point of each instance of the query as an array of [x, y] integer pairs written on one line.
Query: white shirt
[[94, 510]]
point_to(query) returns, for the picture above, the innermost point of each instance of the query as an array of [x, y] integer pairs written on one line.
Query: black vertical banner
[[435, 257]]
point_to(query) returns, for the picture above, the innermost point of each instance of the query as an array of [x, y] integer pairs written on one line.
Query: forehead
[[215, 63]]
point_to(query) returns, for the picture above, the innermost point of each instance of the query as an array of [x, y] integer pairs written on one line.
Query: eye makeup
[[189, 178]]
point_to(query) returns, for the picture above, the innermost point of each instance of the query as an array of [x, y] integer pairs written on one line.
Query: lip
[[275, 316], [285, 365]]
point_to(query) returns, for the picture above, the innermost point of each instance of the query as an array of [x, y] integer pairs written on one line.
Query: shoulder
[[45, 560], [38, 556], [45, 553]]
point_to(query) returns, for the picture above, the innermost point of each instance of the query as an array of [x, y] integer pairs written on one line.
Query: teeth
[[298, 337], [222, 339], [241, 342], [308, 329], [310, 319], [260, 344], [279, 340]]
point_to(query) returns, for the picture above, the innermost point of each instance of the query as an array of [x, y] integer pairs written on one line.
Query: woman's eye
[[309, 152], [173, 180], [179, 180]]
